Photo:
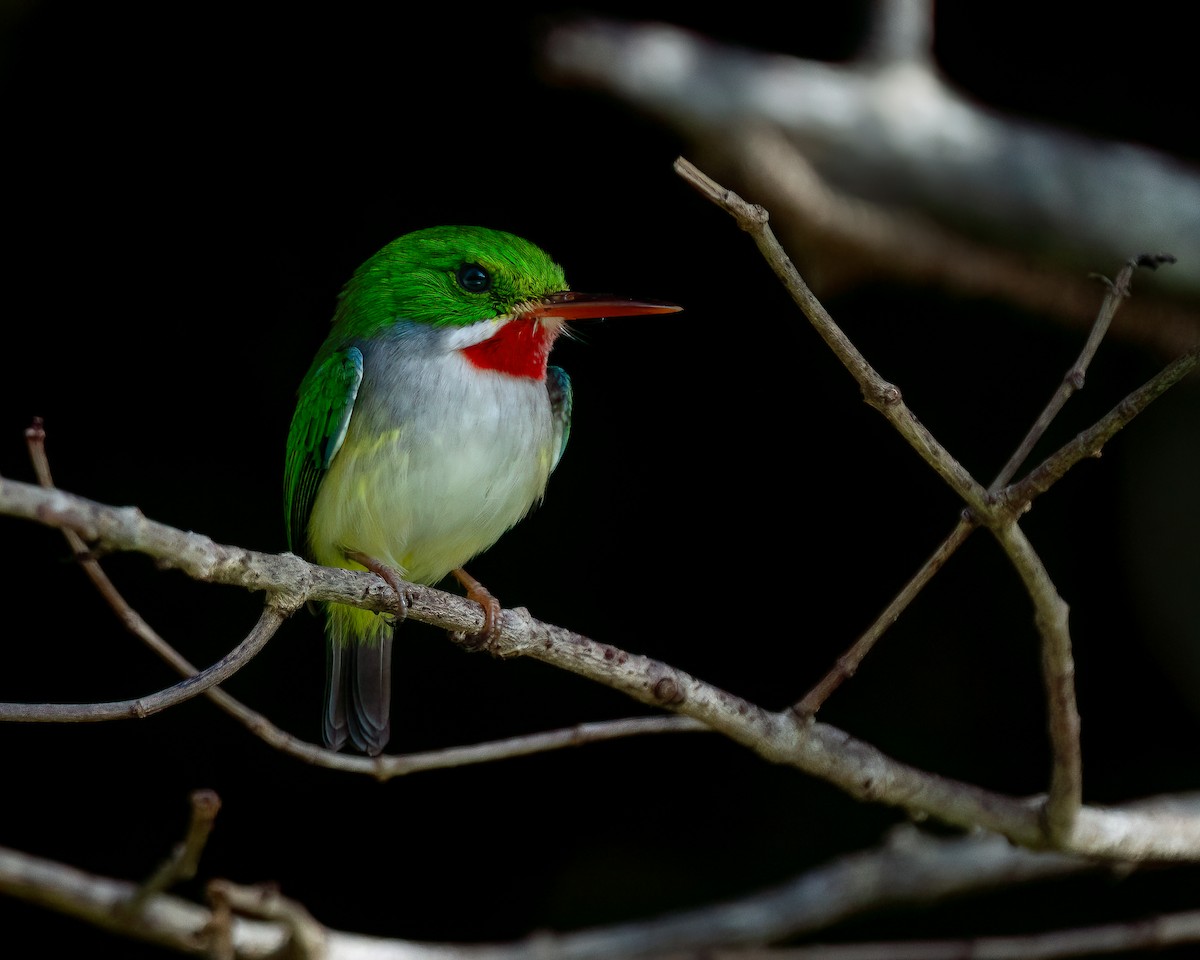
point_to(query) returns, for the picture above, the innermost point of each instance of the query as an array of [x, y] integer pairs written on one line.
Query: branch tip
[[1152, 261]]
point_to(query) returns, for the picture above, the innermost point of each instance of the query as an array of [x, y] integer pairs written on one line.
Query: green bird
[[427, 426]]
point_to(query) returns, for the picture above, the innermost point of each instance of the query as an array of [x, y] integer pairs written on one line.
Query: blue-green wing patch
[[558, 385], [318, 429]]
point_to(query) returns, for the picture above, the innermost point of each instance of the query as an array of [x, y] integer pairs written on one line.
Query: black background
[[187, 188]]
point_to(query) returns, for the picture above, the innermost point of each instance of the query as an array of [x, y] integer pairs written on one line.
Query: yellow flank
[[348, 504]]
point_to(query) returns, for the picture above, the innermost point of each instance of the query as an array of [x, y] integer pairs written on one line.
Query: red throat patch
[[520, 348]]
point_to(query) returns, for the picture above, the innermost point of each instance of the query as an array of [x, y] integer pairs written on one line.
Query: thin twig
[[878, 392], [270, 620], [1118, 291], [185, 858], [1087, 444], [1091, 441], [848, 663]]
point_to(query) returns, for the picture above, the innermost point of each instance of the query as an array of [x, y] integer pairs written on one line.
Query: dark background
[[185, 192]]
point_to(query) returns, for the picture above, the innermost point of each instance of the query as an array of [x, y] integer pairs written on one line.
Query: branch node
[[306, 937], [667, 691], [885, 395], [287, 602], [802, 713], [754, 214]]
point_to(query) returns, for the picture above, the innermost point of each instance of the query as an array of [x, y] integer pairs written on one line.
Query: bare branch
[[1118, 291], [273, 616], [163, 919], [849, 662], [878, 393], [911, 869], [1154, 933], [1091, 441], [1058, 673], [1050, 611]]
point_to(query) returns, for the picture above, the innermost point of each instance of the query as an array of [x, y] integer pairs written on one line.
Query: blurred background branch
[[878, 168]]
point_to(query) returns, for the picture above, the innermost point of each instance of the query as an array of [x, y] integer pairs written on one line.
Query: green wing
[[558, 385], [318, 429]]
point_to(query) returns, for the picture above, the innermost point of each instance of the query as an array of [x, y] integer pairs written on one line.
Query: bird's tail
[[358, 679]]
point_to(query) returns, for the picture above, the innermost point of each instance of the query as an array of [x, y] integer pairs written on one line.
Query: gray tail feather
[[358, 694], [334, 727]]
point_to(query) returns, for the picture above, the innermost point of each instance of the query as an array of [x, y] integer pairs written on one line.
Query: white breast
[[440, 459]]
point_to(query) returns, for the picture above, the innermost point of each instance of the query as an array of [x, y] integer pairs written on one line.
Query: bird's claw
[[404, 597], [488, 636]]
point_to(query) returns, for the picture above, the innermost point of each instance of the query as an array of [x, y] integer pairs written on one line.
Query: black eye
[[473, 278]]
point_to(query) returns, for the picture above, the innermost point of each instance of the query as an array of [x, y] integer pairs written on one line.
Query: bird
[[426, 427]]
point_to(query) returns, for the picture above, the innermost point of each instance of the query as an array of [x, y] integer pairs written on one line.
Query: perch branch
[[382, 767], [818, 749]]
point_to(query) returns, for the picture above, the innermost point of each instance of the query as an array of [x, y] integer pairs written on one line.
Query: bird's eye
[[473, 278]]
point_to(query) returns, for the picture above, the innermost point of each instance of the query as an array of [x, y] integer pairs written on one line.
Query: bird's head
[[502, 299]]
